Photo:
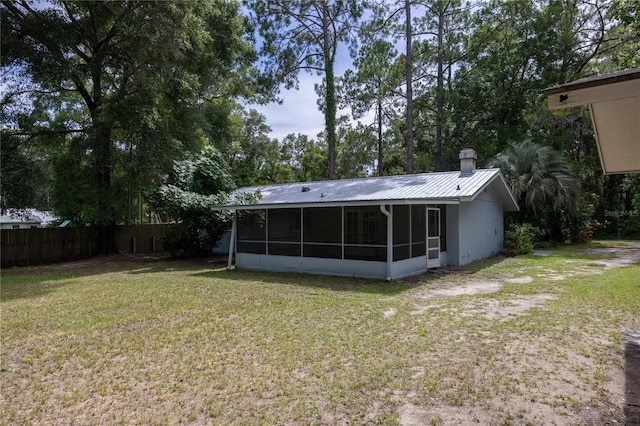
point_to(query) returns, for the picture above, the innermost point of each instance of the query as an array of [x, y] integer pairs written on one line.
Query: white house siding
[[481, 228]]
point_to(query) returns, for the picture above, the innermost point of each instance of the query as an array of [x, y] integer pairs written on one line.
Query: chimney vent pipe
[[467, 158]]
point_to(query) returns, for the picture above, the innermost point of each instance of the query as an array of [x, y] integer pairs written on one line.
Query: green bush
[[519, 238]]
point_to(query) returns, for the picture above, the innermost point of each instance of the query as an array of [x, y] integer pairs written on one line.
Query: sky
[[299, 111]]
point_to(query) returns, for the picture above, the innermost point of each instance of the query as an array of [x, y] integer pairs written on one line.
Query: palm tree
[[540, 178]]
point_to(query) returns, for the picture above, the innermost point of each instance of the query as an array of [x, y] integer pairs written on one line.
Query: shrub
[[519, 238], [584, 232]]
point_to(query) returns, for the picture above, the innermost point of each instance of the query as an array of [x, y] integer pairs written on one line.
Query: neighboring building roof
[[441, 188], [19, 219], [28, 216], [614, 104]]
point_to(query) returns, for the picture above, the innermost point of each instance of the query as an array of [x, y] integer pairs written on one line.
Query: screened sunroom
[[318, 236]]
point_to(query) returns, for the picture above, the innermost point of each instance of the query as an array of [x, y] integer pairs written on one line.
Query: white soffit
[[617, 128], [614, 103]]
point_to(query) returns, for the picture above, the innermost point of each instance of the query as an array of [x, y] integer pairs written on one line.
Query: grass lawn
[[526, 340]]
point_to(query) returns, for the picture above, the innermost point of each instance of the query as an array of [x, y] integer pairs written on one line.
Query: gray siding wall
[[453, 235], [481, 228], [312, 265]]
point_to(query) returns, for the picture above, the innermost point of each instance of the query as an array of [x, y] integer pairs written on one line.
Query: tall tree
[[408, 69], [374, 85], [304, 35], [397, 19], [136, 71], [442, 28]]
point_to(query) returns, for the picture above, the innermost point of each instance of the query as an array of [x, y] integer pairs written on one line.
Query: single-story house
[[381, 227], [614, 105], [26, 219]]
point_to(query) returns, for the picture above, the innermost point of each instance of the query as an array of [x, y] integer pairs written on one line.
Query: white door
[[433, 237]]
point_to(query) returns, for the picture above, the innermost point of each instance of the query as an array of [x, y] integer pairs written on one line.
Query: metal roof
[[444, 187]]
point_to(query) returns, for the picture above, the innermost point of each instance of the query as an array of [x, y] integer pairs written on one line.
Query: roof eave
[[342, 203], [509, 203]]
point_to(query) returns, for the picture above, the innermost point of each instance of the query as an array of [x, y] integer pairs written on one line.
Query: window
[[284, 232], [433, 236], [401, 232], [418, 231], [252, 232], [365, 226], [365, 234], [322, 232], [323, 225], [284, 225]]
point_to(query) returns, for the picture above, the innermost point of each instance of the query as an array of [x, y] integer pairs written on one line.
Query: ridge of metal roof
[[439, 187]]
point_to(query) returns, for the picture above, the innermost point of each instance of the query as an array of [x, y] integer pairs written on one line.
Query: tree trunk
[[330, 101], [440, 93], [330, 119], [380, 160], [105, 204], [409, 80]]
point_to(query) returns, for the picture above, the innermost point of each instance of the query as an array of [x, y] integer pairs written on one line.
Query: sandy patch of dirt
[[519, 280], [621, 256], [427, 297], [493, 309], [561, 379], [389, 313], [459, 289], [414, 415]]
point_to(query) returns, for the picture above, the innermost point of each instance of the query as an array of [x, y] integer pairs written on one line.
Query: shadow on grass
[[22, 290], [37, 281], [340, 284], [632, 378]]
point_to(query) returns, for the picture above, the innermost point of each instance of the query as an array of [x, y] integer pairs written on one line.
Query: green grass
[[129, 341]]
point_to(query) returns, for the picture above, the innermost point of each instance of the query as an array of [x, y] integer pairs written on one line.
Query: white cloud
[[298, 113]]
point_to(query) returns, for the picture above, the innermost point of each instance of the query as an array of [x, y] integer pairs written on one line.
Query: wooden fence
[[22, 247]]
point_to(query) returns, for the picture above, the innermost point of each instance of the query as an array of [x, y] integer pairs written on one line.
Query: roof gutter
[[387, 213], [232, 240]]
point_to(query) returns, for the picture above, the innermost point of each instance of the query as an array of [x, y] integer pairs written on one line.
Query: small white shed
[[380, 227]]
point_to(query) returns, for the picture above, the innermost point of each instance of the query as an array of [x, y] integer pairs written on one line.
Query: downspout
[[387, 213], [232, 239]]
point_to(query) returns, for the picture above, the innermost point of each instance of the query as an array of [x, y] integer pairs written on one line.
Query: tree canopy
[[124, 83], [102, 99]]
